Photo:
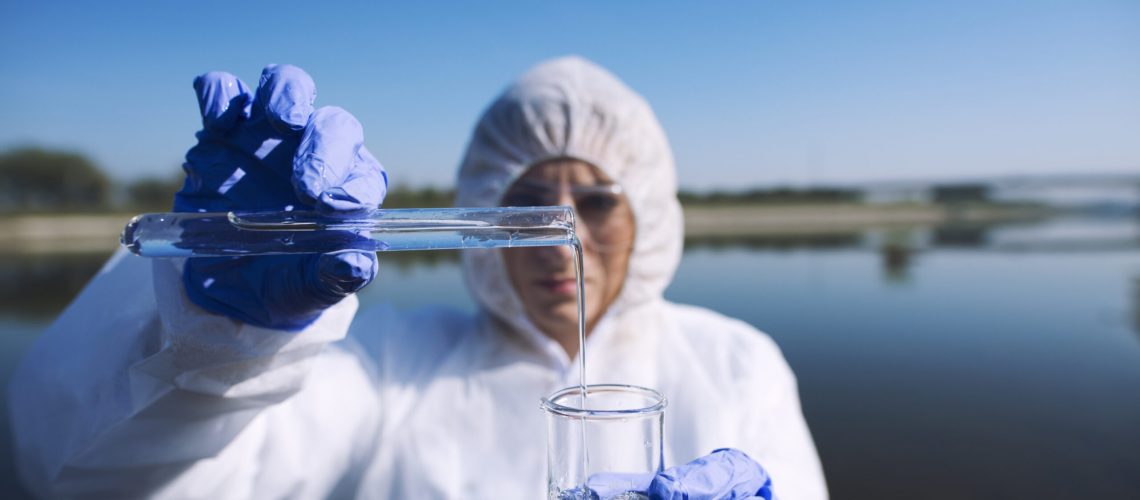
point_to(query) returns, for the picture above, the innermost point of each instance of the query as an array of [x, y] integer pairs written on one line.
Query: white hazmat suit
[[135, 391]]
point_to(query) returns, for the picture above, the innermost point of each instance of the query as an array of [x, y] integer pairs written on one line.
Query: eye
[[596, 204], [523, 199]]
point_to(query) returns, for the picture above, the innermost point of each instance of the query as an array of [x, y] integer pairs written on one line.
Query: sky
[[757, 93]]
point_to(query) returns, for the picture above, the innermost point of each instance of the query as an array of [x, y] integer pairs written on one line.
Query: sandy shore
[[77, 233], [73, 233]]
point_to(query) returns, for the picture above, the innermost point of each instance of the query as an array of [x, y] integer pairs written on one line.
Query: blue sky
[[750, 93]]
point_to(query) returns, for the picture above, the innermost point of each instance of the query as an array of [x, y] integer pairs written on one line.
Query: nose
[[555, 258]]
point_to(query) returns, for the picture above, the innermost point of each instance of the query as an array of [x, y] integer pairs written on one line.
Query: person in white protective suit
[[139, 390]]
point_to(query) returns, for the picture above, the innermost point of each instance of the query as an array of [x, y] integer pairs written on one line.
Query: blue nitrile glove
[[724, 474], [272, 151]]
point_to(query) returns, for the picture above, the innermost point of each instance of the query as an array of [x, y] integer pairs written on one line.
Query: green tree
[[427, 197], [776, 195], [153, 194], [39, 179]]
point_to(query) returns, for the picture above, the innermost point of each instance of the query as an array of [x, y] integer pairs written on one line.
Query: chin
[[556, 319], [558, 315], [565, 321]]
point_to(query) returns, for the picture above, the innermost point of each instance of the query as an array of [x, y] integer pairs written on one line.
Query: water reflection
[[1136, 304], [406, 261], [896, 263], [961, 236], [777, 241], [37, 285]]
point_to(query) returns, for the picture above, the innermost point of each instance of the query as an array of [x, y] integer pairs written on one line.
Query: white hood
[[571, 108]]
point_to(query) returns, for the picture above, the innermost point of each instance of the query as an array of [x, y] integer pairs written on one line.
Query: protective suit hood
[[571, 108]]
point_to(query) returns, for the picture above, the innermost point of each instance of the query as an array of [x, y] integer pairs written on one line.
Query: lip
[[558, 286]]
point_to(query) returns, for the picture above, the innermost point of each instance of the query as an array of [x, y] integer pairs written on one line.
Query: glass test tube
[[220, 234]]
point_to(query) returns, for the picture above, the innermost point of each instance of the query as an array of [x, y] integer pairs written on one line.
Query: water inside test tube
[[585, 493]]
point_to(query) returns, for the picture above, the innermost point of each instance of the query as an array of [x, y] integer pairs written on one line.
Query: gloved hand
[[272, 151], [724, 474]]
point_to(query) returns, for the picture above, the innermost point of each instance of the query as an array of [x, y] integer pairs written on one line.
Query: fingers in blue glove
[[724, 474], [244, 160], [344, 273], [286, 292], [223, 100], [332, 169], [285, 97], [366, 185], [255, 161]]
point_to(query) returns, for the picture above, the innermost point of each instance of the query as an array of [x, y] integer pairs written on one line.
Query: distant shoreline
[[83, 233], [808, 219], [61, 233]]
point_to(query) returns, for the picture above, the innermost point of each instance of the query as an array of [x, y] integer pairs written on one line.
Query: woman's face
[[543, 277]]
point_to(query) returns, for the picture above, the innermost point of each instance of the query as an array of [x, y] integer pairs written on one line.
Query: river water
[[952, 362]]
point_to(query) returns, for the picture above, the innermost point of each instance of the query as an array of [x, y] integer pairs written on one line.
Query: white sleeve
[[135, 391], [774, 430]]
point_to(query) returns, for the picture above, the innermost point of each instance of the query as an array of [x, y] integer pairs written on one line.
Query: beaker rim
[[658, 406]]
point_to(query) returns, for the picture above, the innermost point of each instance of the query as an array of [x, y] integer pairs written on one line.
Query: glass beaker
[[605, 447]]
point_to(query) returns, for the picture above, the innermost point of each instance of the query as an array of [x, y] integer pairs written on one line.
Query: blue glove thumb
[[278, 291], [724, 474]]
